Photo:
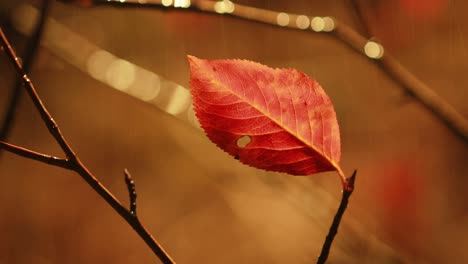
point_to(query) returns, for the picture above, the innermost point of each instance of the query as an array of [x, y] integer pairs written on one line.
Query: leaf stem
[[72, 162], [341, 174], [348, 189]]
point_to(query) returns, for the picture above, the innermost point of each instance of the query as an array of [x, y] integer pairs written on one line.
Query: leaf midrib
[[332, 162]]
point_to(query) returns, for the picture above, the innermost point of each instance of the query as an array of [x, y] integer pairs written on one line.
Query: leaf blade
[[287, 114]]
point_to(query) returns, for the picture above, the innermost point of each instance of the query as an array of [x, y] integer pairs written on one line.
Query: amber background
[[410, 205]]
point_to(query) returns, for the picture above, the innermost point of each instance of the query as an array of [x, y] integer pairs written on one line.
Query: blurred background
[[410, 203]]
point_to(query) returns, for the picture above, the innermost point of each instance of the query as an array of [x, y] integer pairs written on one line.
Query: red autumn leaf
[[287, 116]]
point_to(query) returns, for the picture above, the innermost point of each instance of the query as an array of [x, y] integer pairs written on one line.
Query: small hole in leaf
[[243, 141]]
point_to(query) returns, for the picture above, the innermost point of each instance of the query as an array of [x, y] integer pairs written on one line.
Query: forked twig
[[27, 153], [72, 162]]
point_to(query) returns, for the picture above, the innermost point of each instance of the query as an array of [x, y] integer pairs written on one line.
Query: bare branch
[[131, 192], [29, 86], [72, 161], [122, 211], [23, 152]]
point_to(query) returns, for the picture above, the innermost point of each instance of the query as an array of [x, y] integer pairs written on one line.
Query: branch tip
[[349, 184], [131, 192]]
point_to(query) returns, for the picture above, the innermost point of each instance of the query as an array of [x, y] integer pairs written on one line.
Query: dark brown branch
[[73, 163], [425, 95], [26, 153], [346, 193], [122, 211], [28, 59], [131, 192]]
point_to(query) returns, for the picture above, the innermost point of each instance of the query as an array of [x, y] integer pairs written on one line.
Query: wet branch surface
[[72, 162]]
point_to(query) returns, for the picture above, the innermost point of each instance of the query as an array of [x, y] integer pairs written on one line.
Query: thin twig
[[31, 90], [388, 63], [346, 193], [23, 152], [122, 211], [73, 163], [28, 59], [131, 192]]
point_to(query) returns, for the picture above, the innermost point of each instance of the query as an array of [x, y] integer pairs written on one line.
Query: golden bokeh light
[[178, 101], [120, 74], [317, 24], [98, 63], [166, 2], [373, 50], [182, 3], [282, 19], [329, 24], [224, 6], [147, 85], [322, 24], [302, 22]]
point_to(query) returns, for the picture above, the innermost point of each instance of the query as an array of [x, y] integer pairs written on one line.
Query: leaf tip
[[193, 60]]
